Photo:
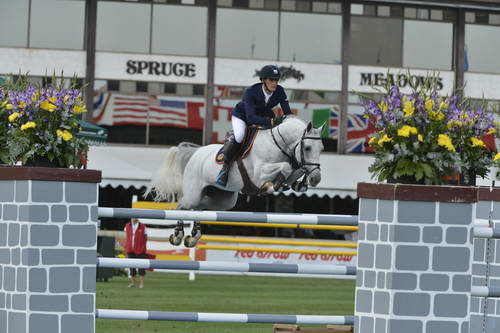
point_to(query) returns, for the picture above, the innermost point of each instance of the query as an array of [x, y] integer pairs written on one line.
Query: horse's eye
[[307, 149]]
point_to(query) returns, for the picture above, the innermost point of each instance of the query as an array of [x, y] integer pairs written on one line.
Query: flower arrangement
[[40, 123], [424, 138]]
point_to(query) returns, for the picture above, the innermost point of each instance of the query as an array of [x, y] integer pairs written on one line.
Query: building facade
[[165, 71]]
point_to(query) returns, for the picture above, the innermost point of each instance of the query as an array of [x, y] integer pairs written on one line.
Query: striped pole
[[226, 266], [274, 249], [282, 225], [270, 241], [493, 233], [316, 219], [485, 291], [224, 317]]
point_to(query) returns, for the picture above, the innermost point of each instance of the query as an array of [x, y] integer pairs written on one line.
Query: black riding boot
[[230, 154]]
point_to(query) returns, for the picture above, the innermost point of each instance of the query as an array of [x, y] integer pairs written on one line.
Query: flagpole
[[208, 122], [147, 119]]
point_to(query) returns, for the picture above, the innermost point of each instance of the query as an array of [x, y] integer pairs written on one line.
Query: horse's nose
[[315, 179]]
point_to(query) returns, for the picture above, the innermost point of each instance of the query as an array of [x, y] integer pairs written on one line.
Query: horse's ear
[[309, 126]]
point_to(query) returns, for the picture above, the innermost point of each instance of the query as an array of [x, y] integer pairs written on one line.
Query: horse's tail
[[167, 182]]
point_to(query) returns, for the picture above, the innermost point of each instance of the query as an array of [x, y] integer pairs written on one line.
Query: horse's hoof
[[190, 241], [176, 240]]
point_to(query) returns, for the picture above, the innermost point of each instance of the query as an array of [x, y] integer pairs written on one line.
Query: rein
[[293, 160]]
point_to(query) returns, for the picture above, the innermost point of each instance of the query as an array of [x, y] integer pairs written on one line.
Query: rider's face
[[271, 84]]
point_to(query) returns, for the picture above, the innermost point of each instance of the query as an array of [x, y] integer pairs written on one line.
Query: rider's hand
[[276, 121]]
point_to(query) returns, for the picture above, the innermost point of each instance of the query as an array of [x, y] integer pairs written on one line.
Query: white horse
[[188, 174]]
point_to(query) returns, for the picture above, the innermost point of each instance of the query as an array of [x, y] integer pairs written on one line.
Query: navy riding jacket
[[253, 110]]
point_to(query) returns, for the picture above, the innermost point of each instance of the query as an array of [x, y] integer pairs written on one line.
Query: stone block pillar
[[48, 227], [414, 258], [485, 312]]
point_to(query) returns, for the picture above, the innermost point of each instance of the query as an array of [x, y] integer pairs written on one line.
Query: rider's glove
[[276, 121]]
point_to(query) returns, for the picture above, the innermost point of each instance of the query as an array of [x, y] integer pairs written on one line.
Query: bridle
[[302, 164]]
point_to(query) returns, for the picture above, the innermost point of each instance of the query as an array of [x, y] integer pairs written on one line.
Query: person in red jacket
[[136, 248]]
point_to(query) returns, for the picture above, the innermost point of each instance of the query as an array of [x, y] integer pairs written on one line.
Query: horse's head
[[307, 147], [309, 151]]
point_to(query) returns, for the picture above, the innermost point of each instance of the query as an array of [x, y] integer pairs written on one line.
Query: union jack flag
[[358, 131]]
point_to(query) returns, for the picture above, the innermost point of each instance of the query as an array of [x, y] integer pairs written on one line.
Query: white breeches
[[239, 128]]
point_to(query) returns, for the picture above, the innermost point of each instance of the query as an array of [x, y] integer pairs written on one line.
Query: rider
[[254, 109]]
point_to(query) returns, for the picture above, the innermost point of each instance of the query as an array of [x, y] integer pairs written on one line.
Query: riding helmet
[[270, 72]]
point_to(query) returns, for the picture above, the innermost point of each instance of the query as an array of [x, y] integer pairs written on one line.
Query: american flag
[[358, 131], [135, 110]]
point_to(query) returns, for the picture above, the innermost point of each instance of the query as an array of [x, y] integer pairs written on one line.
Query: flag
[[136, 110], [466, 60], [358, 128]]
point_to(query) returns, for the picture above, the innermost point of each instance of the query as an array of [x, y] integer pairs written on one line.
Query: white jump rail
[[485, 291], [317, 219], [224, 317], [223, 266]]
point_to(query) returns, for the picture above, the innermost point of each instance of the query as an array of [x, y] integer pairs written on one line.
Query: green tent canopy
[[94, 134]]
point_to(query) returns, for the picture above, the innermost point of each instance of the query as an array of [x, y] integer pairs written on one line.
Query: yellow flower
[[65, 135], [28, 125], [35, 96], [22, 105], [48, 106], [406, 131], [383, 140], [429, 103], [372, 141], [497, 157], [13, 116], [435, 115], [79, 109], [452, 123], [491, 131], [383, 106], [445, 141], [52, 99], [66, 99], [408, 108], [443, 106], [477, 142], [9, 106], [420, 138]]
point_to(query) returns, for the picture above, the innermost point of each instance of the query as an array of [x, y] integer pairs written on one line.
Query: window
[[57, 24], [376, 41], [482, 44], [198, 90], [113, 85], [247, 34], [438, 38], [141, 86], [14, 19], [171, 35], [310, 37], [123, 27], [170, 88]]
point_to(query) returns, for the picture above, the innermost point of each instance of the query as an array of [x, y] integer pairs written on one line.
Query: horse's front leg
[[273, 175]]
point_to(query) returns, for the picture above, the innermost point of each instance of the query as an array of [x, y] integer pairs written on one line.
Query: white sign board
[[40, 62], [368, 79], [145, 67], [306, 76], [282, 257], [480, 85]]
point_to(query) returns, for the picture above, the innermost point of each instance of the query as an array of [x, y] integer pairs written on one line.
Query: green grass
[[210, 293]]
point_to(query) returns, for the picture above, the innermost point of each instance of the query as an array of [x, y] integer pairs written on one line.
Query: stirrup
[[222, 177]]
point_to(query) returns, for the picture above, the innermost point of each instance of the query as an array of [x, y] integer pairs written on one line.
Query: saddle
[[246, 146]]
